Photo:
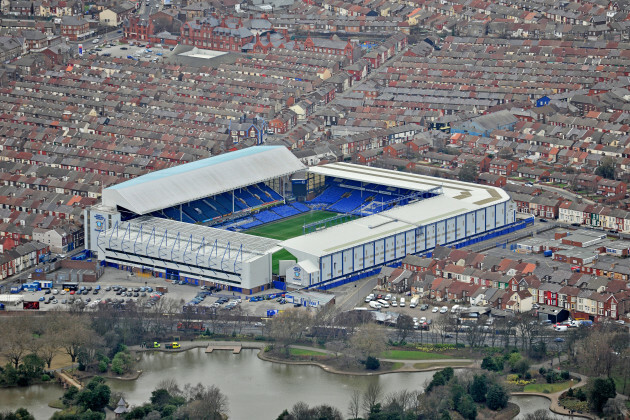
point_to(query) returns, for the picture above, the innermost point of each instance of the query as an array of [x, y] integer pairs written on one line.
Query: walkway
[[67, 379]]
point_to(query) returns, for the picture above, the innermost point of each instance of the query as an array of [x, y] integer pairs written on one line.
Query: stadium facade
[[190, 222]]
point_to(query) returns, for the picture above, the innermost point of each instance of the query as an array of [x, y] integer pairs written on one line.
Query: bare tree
[[354, 405], [527, 329], [441, 326], [371, 396], [475, 336], [206, 403], [404, 326], [16, 339], [369, 341], [288, 327]]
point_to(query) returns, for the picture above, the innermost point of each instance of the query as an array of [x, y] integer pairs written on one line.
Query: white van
[[561, 328], [402, 302], [383, 303], [454, 309], [375, 305]]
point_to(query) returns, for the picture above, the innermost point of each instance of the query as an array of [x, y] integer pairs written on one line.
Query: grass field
[[429, 365], [287, 229], [548, 388], [303, 352], [412, 355], [291, 227]]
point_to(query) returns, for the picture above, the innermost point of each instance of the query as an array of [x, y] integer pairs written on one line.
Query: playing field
[[287, 229], [291, 227]]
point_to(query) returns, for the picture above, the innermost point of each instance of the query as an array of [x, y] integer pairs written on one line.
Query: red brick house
[[502, 167], [367, 157], [418, 264], [495, 180], [74, 28], [216, 35], [611, 187], [483, 162], [395, 150]]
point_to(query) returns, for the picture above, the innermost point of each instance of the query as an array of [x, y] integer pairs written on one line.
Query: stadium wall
[[370, 254]]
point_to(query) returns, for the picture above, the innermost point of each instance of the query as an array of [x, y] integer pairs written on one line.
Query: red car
[[72, 292]]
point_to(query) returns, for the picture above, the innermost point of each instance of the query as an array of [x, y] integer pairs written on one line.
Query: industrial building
[[190, 222]]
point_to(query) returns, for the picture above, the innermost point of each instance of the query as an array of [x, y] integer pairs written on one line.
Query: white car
[[415, 320], [388, 296], [394, 303], [63, 292], [55, 292], [435, 309], [423, 319], [444, 309]]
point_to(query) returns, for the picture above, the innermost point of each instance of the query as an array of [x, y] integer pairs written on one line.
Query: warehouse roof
[[203, 178]]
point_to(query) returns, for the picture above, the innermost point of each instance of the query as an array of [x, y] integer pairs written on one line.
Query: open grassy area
[[290, 227], [548, 388], [303, 352], [412, 355], [287, 229], [427, 365]]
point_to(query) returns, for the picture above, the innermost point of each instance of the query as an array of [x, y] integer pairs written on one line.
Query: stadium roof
[[203, 178], [479, 195], [457, 198]]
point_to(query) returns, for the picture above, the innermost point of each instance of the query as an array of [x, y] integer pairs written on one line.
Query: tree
[[19, 414], [95, 396], [606, 168], [467, 407], [541, 414], [404, 326], [479, 388], [372, 363], [497, 397], [371, 396], [288, 327], [600, 390], [468, 172], [369, 341], [207, 403], [354, 405]]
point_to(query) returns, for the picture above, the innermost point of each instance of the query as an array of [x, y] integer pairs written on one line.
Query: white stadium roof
[[474, 193], [203, 178], [457, 198]]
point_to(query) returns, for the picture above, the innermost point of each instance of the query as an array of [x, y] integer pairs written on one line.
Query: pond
[[255, 388]]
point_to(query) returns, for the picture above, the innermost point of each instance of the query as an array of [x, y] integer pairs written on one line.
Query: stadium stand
[[286, 211], [300, 207], [348, 203], [267, 216]]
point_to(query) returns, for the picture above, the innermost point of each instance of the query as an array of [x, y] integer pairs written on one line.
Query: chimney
[[66, 115], [268, 36]]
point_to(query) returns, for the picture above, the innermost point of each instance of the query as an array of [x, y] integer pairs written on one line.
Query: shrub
[[372, 363], [542, 370], [497, 397], [565, 375], [102, 366], [45, 378]]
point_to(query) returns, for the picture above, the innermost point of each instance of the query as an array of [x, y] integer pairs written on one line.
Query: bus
[[69, 286]]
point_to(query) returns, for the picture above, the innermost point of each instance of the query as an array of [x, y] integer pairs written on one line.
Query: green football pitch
[[291, 227], [287, 229]]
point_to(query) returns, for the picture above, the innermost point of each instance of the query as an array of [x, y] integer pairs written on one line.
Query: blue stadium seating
[[348, 204], [267, 216], [266, 188], [285, 211], [248, 198], [251, 225], [300, 207]]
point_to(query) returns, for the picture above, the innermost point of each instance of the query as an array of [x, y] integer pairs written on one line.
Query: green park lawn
[[412, 355], [304, 352], [548, 388]]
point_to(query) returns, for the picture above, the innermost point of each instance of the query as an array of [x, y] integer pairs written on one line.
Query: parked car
[[435, 309], [444, 309], [424, 307]]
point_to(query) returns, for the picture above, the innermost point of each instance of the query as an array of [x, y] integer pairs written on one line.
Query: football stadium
[[248, 219]]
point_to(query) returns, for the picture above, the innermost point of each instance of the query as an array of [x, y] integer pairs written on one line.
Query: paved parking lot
[[141, 53]]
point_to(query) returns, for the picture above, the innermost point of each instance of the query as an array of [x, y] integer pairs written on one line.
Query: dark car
[[124, 48], [424, 307], [297, 305], [543, 220], [576, 224]]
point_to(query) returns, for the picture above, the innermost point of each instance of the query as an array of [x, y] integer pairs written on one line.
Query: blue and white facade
[[461, 213]]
